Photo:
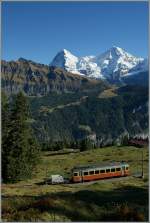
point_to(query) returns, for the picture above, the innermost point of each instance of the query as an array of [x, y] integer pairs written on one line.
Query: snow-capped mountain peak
[[65, 59], [65, 51], [112, 64], [116, 62], [119, 51]]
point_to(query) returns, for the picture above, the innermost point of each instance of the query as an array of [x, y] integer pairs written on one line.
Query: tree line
[[20, 150]]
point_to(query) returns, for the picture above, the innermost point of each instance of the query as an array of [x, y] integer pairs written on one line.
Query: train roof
[[99, 166]]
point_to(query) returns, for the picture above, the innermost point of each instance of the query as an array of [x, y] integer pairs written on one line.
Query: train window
[[96, 171], [76, 174], [113, 170], [85, 173], [91, 172], [127, 167], [118, 169], [107, 170], [102, 171]]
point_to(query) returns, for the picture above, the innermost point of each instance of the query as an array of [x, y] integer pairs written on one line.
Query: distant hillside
[[68, 107], [69, 117], [139, 78], [38, 79]]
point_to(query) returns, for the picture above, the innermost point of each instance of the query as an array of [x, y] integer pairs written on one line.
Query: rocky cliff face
[[38, 79]]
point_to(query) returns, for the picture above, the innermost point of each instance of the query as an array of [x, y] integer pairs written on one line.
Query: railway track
[[102, 181], [137, 175]]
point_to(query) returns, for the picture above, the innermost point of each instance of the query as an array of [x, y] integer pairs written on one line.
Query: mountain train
[[97, 172]]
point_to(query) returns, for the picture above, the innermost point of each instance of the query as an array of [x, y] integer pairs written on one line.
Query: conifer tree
[[4, 125], [20, 148]]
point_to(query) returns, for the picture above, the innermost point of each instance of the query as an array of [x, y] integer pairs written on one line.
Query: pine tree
[[86, 144], [125, 140], [5, 123], [20, 148]]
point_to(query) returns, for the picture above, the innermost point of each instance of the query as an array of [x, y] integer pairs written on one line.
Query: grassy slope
[[99, 201], [108, 93]]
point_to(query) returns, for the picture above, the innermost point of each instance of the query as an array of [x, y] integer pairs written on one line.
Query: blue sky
[[38, 30]]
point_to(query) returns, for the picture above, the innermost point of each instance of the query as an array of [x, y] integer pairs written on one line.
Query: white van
[[57, 179]]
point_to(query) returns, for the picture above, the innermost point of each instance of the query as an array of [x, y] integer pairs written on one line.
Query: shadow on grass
[[128, 203]]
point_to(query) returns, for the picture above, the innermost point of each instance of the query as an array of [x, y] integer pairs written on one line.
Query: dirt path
[[76, 103]]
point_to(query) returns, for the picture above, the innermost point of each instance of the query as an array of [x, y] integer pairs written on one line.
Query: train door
[[123, 170], [81, 176]]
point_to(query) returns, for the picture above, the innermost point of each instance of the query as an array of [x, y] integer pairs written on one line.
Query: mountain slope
[[64, 59], [39, 79], [116, 61], [111, 65], [136, 78], [71, 117], [72, 107]]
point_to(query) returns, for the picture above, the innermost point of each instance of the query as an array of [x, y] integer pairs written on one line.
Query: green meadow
[[119, 199]]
